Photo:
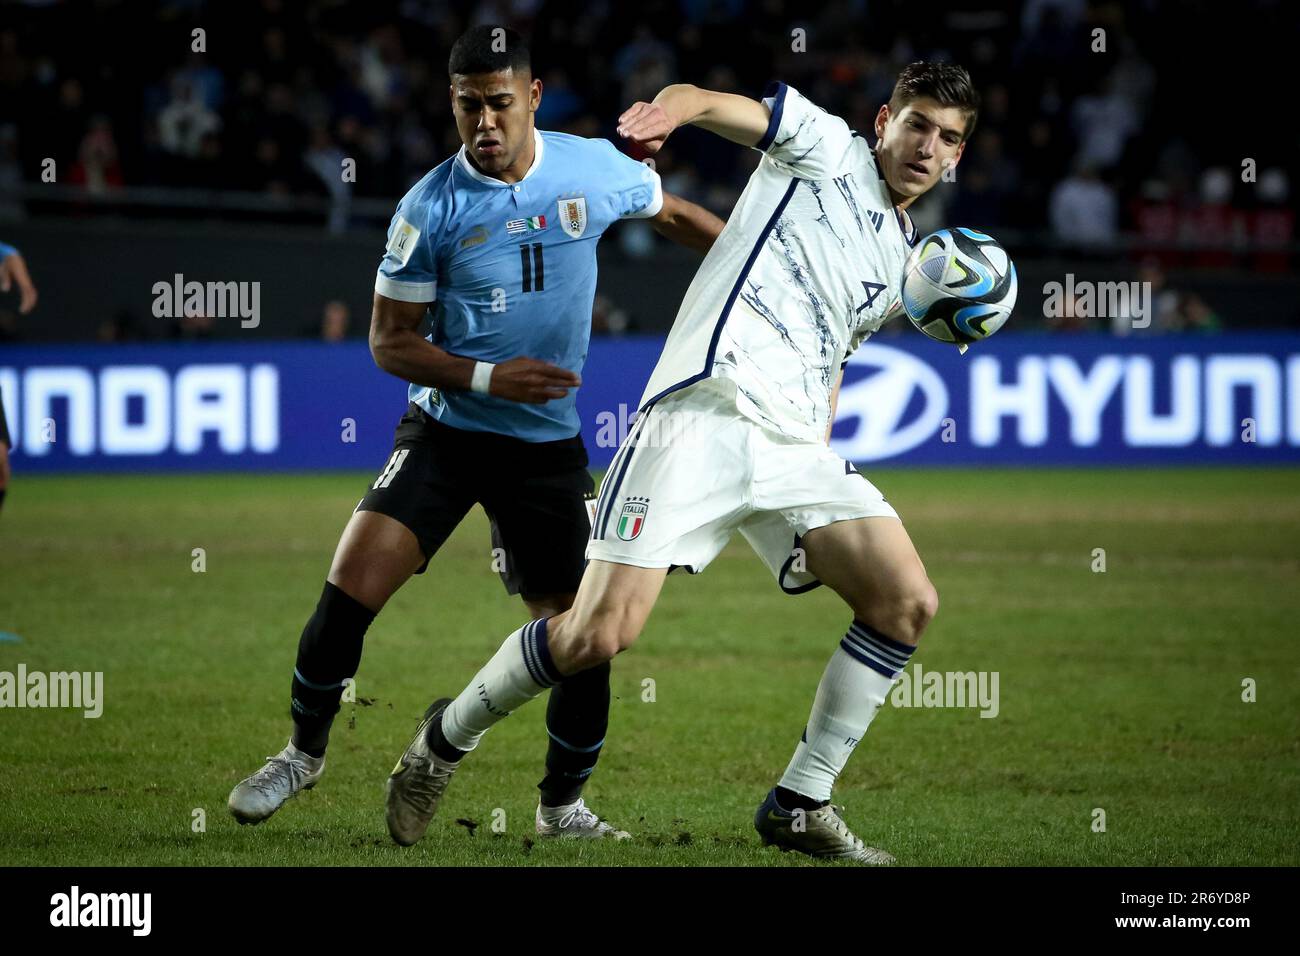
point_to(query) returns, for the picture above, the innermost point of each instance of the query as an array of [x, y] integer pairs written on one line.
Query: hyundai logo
[[878, 404]]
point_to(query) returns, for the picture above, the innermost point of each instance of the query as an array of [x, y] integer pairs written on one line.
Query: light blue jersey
[[510, 269]]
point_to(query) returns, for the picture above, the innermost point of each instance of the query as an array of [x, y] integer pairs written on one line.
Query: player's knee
[[349, 573], [922, 604], [369, 583], [590, 650], [905, 613], [600, 642], [913, 609]]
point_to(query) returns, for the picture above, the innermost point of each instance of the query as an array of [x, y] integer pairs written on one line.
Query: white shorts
[[693, 470]]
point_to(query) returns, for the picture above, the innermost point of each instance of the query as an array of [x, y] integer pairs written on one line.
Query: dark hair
[[946, 83], [489, 49]]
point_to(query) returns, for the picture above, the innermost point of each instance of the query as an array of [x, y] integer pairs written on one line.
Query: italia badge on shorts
[[573, 216], [632, 520]]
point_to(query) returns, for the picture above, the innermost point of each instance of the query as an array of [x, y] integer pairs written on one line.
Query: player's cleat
[[417, 783], [285, 775], [575, 821], [820, 833]]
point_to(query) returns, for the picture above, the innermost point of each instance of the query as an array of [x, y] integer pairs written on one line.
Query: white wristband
[[481, 378]]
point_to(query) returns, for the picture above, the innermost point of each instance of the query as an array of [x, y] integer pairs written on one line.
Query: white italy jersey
[[808, 266]]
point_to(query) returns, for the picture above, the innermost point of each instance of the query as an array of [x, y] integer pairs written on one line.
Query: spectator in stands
[[1084, 211], [607, 318], [11, 174], [184, 121], [1272, 222], [1198, 316], [326, 160], [97, 167], [1103, 124], [1073, 317], [1162, 301], [335, 321]]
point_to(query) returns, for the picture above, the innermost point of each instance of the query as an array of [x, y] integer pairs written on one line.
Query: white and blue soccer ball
[[959, 286]]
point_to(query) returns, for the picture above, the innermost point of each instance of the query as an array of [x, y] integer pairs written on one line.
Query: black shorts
[[4, 428], [534, 493]]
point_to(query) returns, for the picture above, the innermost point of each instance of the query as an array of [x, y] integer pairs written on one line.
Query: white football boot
[[575, 821], [417, 783], [820, 833], [285, 775]]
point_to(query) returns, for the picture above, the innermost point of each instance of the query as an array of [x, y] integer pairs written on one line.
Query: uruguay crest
[[632, 520], [573, 216]]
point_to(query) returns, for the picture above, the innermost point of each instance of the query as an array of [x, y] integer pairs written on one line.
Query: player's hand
[[27, 299], [531, 381], [647, 124], [13, 269]]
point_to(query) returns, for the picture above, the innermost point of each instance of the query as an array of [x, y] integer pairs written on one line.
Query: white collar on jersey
[[539, 147]]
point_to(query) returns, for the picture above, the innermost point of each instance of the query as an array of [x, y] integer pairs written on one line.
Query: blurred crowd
[[1096, 125], [1076, 134]]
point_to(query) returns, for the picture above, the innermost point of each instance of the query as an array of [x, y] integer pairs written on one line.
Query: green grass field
[[1119, 690]]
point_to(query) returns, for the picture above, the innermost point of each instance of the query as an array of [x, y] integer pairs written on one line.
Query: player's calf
[[578, 645], [613, 603], [329, 653], [607, 616]]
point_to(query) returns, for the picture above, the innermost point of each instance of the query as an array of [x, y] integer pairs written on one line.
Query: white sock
[[517, 673], [853, 688]]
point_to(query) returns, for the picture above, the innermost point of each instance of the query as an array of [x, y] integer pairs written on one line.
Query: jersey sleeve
[[802, 137], [408, 271], [634, 188], [6, 251]]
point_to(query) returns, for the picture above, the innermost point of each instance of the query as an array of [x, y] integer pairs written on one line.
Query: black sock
[[577, 716], [2, 497], [439, 744], [328, 652], [789, 800]]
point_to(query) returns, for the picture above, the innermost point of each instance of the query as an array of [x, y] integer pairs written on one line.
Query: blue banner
[[1014, 400]]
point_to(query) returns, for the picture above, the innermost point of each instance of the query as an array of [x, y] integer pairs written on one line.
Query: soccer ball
[[959, 286]]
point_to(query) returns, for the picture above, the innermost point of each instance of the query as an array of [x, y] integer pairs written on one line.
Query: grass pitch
[[1120, 691]]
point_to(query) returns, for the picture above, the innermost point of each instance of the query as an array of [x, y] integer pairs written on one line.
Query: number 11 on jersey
[[533, 272]]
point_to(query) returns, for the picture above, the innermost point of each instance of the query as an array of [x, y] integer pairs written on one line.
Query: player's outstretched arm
[[686, 223], [399, 349], [737, 118]]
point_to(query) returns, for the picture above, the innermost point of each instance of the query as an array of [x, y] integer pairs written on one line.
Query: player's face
[[917, 144], [494, 115]]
